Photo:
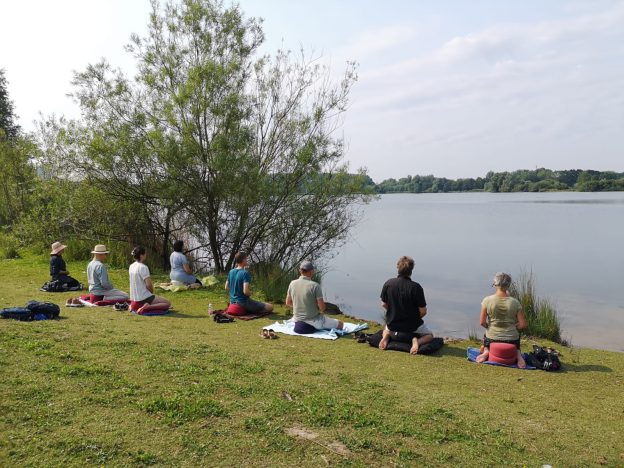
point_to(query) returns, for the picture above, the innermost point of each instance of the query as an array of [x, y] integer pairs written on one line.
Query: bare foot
[[521, 362], [482, 357], [414, 349], [383, 344]]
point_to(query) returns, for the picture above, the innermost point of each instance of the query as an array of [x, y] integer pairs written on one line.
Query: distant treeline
[[539, 180]]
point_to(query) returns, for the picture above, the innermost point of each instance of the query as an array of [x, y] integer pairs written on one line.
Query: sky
[[450, 88]]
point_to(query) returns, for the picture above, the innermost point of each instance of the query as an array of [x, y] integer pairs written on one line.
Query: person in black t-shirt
[[404, 301]]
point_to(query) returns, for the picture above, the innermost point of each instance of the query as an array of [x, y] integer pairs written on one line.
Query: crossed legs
[[417, 341]]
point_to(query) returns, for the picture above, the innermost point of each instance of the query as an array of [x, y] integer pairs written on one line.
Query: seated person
[[502, 317], [141, 288], [180, 266], [404, 301], [100, 287], [305, 297], [238, 285], [58, 268]]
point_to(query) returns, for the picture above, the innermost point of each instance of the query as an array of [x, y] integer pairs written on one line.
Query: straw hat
[[99, 249], [57, 247]]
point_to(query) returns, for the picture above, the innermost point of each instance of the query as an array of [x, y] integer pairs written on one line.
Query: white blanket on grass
[[288, 328], [87, 303]]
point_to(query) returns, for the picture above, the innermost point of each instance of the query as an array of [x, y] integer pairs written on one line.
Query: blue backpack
[[17, 313], [43, 310]]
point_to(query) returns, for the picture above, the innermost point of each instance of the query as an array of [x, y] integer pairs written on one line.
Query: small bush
[[9, 247], [273, 280], [541, 315]]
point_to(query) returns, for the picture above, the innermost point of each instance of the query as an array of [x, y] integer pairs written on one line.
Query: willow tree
[[236, 150]]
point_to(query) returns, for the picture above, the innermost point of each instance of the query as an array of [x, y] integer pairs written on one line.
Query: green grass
[[541, 315], [109, 388]]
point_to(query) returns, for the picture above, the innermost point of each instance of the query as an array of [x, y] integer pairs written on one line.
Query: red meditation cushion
[[503, 353], [235, 309]]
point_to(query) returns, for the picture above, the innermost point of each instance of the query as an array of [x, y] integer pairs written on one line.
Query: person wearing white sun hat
[[100, 287], [58, 268]]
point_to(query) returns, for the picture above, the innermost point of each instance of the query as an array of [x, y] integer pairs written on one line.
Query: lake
[[573, 243]]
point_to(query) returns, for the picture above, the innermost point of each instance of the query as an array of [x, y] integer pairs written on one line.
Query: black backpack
[[54, 286], [43, 310], [544, 358], [17, 313]]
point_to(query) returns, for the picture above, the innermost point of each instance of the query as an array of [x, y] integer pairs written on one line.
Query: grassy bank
[[101, 387]]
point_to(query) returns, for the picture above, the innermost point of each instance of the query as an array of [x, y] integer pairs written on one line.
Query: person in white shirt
[[142, 298]]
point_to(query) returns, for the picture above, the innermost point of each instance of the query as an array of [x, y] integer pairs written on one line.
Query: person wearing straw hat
[[100, 287], [58, 268]]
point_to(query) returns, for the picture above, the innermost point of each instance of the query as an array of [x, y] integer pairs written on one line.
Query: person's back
[[502, 315], [138, 273], [177, 261], [404, 298], [237, 277], [305, 294], [57, 265], [95, 274]]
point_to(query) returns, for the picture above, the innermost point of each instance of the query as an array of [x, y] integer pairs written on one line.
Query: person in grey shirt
[[305, 297], [100, 287]]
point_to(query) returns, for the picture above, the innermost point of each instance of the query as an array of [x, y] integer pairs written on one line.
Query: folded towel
[[287, 327]]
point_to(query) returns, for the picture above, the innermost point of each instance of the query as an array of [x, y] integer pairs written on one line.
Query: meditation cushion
[[394, 345], [235, 309], [503, 353], [304, 328], [149, 313]]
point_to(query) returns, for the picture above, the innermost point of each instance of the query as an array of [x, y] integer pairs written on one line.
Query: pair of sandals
[[360, 337], [73, 302], [268, 335], [220, 318]]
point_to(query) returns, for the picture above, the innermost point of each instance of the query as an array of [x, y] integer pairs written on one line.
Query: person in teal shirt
[[239, 286]]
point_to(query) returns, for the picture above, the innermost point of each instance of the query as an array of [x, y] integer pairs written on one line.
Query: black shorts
[[487, 341]]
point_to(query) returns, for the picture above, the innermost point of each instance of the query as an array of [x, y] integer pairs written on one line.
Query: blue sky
[[453, 88]]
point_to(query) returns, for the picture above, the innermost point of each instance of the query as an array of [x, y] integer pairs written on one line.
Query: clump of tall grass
[[273, 280], [541, 314]]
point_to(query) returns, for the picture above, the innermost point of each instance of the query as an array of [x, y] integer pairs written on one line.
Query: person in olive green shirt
[[502, 317], [305, 297]]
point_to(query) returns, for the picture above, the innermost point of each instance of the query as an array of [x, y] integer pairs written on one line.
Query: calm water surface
[[573, 243]]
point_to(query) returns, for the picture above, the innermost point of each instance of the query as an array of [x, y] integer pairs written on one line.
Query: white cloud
[[527, 90], [374, 42]]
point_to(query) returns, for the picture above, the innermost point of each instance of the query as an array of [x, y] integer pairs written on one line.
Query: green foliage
[[272, 280], [541, 315], [18, 178], [8, 127], [539, 180], [9, 246], [214, 143], [81, 215]]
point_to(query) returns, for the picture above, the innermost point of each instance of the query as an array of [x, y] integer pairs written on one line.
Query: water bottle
[[210, 309]]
